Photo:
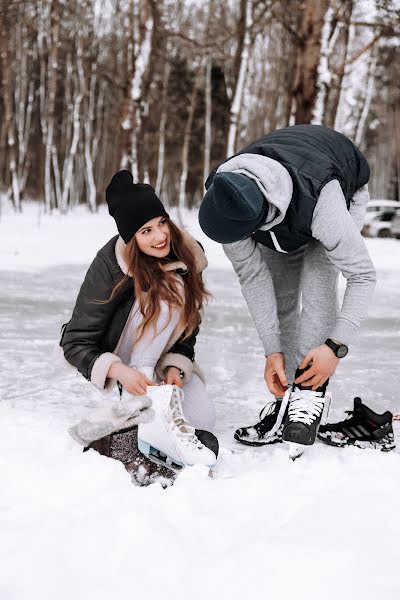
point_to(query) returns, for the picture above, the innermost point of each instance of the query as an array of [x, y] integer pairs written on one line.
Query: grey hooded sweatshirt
[[336, 227]]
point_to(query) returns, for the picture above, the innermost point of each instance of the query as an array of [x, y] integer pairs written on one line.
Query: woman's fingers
[[140, 391]]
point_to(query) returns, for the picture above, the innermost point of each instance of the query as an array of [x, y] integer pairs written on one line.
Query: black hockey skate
[[363, 428], [267, 431], [305, 411]]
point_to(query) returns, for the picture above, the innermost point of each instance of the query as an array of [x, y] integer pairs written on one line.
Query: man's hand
[[133, 381], [274, 374], [323, 363], [173, 376]]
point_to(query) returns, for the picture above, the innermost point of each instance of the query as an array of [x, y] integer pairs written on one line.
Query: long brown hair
[[152, 283]]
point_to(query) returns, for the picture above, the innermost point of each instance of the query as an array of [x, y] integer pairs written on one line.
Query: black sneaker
[[266, 431], [363, 428]]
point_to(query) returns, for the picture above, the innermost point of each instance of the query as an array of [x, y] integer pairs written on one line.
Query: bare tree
[[304, 87], [241, 63], [9, 112]]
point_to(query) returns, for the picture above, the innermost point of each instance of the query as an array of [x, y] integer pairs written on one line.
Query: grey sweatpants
[[305, 284], [292, 297]]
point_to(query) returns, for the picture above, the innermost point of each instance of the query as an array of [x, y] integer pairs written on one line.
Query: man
[[288, 210]]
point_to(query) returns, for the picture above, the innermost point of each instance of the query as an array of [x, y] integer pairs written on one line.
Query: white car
[[396, 225], [378, 218]]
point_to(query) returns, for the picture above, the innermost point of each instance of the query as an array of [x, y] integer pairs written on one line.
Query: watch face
[[342, 351]]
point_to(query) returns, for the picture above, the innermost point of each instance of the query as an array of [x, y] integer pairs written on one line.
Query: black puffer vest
[[313, 155]]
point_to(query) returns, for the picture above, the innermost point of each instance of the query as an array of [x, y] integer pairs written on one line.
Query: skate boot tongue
[[358, 405]]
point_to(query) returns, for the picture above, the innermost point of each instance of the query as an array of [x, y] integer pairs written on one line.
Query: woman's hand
[[274, 374], [173, 376], [133, 381], [323, 365]]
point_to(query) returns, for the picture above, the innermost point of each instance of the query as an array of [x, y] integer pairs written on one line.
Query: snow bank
[[34, 240], [73, 526]]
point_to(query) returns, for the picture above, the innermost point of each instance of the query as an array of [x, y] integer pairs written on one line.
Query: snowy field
[[73, 527]]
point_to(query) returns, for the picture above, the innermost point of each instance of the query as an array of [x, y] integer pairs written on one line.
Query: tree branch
[[357, 55]]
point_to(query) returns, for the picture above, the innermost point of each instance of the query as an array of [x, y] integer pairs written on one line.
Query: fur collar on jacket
[[199, 256]]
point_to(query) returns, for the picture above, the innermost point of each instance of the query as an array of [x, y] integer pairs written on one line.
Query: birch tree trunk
[[332, 109], [67, 183], [9, 113], [207, 124], [24, 97], [240, 83], [209, 32], [50, 102], [161, 134], [186, 144], [334, 48], [367, 98], [131, 117], [328, 39]]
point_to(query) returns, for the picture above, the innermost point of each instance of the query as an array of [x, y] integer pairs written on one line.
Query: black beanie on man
[[232, 208], [132, 204]]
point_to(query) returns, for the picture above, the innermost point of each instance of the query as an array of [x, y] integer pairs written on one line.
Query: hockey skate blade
[[159, 457], [295, 450]]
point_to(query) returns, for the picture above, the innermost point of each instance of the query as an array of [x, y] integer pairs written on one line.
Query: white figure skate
[[169, 439]]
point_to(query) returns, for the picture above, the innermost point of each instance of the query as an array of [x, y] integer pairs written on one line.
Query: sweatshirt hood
[[272, 179]]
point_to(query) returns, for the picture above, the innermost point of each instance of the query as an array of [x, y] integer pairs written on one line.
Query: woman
[[137, 312]]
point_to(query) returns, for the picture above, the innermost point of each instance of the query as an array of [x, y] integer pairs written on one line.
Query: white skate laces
[[184, 431], [268, 410], [305, 406]]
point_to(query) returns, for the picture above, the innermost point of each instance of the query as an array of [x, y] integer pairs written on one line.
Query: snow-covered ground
[[73, 527]]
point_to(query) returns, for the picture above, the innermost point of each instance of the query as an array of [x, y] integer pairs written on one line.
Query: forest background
[[169, 88]]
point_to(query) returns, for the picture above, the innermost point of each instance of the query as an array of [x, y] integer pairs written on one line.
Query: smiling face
[[154, 238]]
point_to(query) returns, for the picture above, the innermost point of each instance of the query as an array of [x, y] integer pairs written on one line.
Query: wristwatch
[[340, 350]]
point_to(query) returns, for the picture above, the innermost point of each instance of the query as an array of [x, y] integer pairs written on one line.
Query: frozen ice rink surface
[[72, 525]]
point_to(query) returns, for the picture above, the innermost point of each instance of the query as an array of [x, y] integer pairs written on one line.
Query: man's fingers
[[306, 360], [275, 386], [276, 390], [311, 380], [305, 376], [282, 377], [321, 381], [318, 384], [271, 385], [314, 381]]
